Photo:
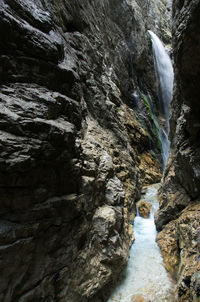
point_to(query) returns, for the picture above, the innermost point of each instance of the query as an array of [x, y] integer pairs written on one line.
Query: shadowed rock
[[70, 144], [178, 216]]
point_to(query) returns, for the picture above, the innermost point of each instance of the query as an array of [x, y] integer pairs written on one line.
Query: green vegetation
[[167, 32], [155, 125], [144, 204], [117, 109]]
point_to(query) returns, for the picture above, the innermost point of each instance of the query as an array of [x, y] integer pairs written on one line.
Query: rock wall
[[76, 143], [179, 213]]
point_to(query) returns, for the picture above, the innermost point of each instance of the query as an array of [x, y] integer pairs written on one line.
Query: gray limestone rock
[[71, 143], [180, 190]]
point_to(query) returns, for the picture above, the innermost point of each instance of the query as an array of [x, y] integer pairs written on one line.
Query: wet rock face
[[181, 179], [179, 215], [73, 153]]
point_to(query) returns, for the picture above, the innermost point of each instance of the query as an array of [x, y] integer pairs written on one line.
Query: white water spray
[[165, 75], [145, 273]]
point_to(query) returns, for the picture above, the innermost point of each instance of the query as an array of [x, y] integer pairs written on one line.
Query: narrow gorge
[[84, 136]]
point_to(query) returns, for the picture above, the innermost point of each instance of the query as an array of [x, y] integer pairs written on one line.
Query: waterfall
[[145, 274], [165, 76]]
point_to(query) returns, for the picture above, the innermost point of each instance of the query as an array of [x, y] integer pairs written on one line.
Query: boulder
[[144, 208], [179, 244], [140, 298]]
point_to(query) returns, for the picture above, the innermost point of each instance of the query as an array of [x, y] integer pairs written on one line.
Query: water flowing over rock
[[165, 77], [165, 74], [179, 213], [139, 298], [145, 278]]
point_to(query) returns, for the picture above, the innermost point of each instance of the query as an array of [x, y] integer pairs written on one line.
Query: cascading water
[[165, 73], [145, 273], [165, 76]]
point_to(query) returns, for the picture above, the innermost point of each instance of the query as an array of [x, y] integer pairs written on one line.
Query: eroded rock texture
[[179, 213], [73, 153], [144, 208]]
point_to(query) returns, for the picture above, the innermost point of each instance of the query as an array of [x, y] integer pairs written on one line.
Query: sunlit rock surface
[[179, 242], [144, 208]]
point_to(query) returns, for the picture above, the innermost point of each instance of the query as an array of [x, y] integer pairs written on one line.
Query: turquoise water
[[145, 273]]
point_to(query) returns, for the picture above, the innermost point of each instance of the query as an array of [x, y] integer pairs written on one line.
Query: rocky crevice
[[76, 143], [178, 216]]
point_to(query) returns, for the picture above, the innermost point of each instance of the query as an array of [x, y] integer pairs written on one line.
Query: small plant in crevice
[[155, 129], [117, 109], [167, 33]]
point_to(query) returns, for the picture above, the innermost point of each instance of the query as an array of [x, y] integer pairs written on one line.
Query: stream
[[145, 273]]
